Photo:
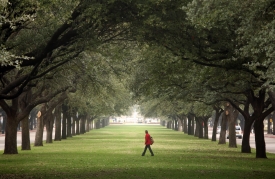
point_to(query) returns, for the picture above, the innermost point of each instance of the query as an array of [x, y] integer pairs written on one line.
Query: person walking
[[147, 144]]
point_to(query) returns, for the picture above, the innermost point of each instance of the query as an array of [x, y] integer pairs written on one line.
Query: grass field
[[115, 152]]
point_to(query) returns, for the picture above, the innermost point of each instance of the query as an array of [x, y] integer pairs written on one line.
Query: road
[[269, 141]]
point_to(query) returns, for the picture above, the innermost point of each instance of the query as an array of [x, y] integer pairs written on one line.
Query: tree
[[231, 116], [14, 16], [63, 40], [218, 111]]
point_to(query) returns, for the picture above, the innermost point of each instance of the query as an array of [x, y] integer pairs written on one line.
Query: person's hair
[[146, 131]]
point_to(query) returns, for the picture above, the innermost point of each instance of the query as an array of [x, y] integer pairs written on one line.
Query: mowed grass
[[115, 152]]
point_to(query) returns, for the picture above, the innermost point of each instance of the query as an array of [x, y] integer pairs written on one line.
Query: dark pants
[[149, 147]]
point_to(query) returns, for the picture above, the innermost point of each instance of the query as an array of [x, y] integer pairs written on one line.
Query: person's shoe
[[142, 154], [153, 155]]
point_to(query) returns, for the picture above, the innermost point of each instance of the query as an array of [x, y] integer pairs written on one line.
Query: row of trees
[[60, 53], [67, 123]]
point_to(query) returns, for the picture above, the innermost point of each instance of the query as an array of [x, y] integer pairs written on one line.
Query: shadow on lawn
[[185, 171]]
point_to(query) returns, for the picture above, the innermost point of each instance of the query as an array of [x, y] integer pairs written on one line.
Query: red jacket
[[147, 139]]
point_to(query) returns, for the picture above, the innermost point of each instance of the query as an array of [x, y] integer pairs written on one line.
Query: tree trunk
[[200, 127], [205, 127], [73, 127], [176, 124], [49, 127], [190, 117], [189, 126], [185, 125], [69, 125], [73, 124], [82, 125], [88, 123], [169, 124], [103, 123], [33, 114], [64, 119], [192, 125], [64, 125], [246, 136], [57, 114], [197, 130], [222, 139], [26, 144], [181, 124], [260, 112], [92, 123], [11, 135], [39, 130], [217, 117], [259, 139], [4, 117], [173, 124], [108, 121], [230, 115], [77, 127]]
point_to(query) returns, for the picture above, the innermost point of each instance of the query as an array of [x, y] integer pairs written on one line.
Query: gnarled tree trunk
[[64, 121], [69, 125], [217, 116], [190, 124], [26, 144], [185, 125], [259, 139], [222, 139], [40, 128], [57, 114], [33, 114], [74, 118], [11, 135], [246, 136], [199, 127], [64, 125], [205, 126], [49, 126], [77, 132], [82, 125], [88, 123], [231, 116], [180, 119]]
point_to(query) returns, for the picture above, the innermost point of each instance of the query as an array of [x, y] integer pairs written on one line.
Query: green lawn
[[115, 152]]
